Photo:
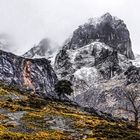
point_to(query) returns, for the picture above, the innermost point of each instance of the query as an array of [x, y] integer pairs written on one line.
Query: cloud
[[28, 21]]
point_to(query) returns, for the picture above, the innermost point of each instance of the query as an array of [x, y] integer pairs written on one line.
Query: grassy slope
[[23, 117]]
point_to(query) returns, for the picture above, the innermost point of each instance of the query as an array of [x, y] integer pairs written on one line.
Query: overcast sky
[[28, 21]]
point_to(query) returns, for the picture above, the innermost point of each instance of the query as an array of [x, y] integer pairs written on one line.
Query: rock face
[[100, 49], [39, 50], [133, 75], [101, 96], [108, 29], [89, 65], [35, 75], [108, 95], [95, 59], [43, 50]]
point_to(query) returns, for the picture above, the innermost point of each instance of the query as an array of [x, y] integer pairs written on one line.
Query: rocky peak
[[98, 50], [97, 59], [107, 29], [106, 16], [43, 49], [34, 75]]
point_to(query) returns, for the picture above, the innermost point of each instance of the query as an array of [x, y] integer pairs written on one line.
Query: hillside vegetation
[[28, 117]]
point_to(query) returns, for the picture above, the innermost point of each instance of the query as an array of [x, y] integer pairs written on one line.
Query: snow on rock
[[85, 77], [107, 29], [33, 75], [45, 49], [86, 73], [94, 59], [89, 65]]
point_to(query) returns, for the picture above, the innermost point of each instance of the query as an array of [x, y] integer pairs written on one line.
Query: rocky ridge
[[95, 59], [35, 75], [97, 50], [45, 49], [107, 29]]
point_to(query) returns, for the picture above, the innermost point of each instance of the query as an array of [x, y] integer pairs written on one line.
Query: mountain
[[34, 75], [28, 117], [95, 60], [107, 29], [45, 49], [99, 49], [99, 61]]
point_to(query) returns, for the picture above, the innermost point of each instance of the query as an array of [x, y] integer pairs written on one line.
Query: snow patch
[[87, 74]]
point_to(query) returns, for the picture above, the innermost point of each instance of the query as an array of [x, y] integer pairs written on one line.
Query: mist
[[29, 21]]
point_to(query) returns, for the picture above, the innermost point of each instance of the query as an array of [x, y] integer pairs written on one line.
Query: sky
[[29, 21]]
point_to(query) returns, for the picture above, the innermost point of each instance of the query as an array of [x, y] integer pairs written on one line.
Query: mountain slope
[[98, 52], [34, 75], [28, 117]]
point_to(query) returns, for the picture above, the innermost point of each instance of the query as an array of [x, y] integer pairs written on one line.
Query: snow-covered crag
[[89, 65], [34, 75], [107, 29], [45, 49], [95, 59], [98, 50]]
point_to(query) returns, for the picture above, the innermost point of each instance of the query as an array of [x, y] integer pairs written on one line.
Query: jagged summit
[[98, 20], [107, 16], [43, 49], [107, 29], [98, 52]]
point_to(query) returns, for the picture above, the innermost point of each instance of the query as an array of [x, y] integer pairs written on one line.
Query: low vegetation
[[25, 117]]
